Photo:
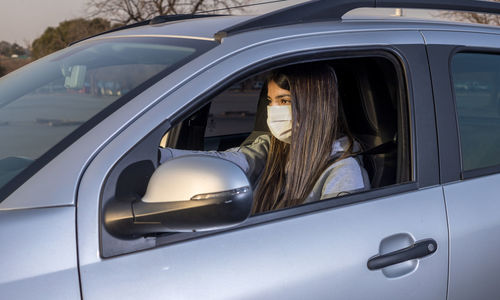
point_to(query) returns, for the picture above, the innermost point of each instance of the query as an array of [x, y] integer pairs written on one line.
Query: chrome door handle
[[417, 250]]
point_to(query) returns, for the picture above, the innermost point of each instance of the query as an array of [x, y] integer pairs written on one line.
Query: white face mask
[[279, 120]]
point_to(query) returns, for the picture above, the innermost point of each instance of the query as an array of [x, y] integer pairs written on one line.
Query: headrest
[[366, 98]]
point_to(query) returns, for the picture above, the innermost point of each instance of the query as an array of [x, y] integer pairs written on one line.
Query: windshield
[[46, 101]]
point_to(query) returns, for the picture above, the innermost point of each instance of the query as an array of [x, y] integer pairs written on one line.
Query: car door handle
[[417, 250]]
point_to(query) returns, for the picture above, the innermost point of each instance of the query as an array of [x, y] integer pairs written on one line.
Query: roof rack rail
[[153, 21], [331, 10], [171, 18]]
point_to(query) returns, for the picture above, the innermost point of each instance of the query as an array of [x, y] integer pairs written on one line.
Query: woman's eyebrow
[[283, 95]]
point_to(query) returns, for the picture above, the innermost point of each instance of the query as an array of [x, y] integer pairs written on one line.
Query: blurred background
[[30, 29]]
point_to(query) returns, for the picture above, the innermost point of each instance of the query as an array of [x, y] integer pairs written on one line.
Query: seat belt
[[386, 147]]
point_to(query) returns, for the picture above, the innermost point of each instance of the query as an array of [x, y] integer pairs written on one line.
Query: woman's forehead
[[273, 90]]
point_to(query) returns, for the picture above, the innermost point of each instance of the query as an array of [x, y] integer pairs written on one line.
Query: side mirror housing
[[188, 193]]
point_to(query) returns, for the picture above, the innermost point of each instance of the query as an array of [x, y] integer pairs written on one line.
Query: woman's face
[[277, 96]]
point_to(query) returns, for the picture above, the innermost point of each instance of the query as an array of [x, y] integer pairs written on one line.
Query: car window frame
[[481, 171], [331, 203], [425, 177], [440, 59]]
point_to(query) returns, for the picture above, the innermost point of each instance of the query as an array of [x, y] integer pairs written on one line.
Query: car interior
[[372, 98], [372, 92]]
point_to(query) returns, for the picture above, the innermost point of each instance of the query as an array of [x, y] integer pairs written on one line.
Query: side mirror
[[188, 193]]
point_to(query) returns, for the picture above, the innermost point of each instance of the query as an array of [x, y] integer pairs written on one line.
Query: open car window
[[370, 95], [372, 92]]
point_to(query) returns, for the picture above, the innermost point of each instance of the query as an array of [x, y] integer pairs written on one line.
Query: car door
[[465, 69], [319, 250]]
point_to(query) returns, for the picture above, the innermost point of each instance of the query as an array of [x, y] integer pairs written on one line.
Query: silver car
[[86, 211]]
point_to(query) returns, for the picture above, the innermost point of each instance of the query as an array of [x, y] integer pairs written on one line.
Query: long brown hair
[[292, 169]]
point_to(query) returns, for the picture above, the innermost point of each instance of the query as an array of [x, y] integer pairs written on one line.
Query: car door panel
[[318, 256], [322, 254], [473, 208], [472, 203]]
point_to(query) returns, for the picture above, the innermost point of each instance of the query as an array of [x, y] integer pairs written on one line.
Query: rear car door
[[319, 250], [465, 70]]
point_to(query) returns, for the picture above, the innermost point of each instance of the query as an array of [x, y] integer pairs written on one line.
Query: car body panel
[[472, 204], [472, 208], [319, 256], [457, 38], [39, 258]]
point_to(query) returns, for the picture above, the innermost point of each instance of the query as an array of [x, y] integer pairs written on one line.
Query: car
[[87, 211]]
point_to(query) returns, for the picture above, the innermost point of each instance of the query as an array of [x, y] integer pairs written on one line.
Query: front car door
[[319, 250]]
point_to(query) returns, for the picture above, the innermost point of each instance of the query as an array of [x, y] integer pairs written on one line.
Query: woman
[[310, 153]]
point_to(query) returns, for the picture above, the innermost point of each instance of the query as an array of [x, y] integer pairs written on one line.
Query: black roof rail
[[171, 18], [331, 10], [153, 21]]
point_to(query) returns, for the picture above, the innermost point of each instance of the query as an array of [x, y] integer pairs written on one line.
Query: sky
[[22, 21]]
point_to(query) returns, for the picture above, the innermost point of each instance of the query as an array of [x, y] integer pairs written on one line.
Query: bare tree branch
[[131, 11], [196, 6], [479, 18]]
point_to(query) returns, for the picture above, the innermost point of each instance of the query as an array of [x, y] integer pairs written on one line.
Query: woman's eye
[[286, 101]]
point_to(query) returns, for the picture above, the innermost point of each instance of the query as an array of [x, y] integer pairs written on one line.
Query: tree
[[54, 39], [131, 11], [479, 18], [7, 49], [16, 49], [3, 70]]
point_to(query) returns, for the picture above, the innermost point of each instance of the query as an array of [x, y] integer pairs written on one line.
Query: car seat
[[260, 125], [368, 94]]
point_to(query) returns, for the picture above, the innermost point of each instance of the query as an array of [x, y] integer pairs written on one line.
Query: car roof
[[203, 28], [313, 17]]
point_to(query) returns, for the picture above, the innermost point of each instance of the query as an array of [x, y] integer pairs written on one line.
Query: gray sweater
[[343, 176]]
